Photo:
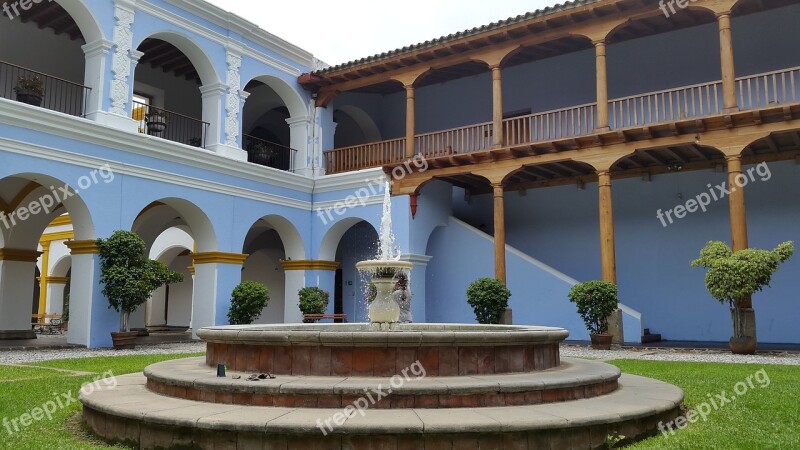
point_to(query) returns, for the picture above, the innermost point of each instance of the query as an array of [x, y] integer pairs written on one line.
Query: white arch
[[170, 243], [61, 267], [199, 59], [84, 18], [368, 126], [292, 241], [330, 243], [148, 226], [291, 98]]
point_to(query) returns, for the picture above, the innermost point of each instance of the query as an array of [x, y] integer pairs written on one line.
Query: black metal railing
[[170, 125], [39, 89], [268, 153]]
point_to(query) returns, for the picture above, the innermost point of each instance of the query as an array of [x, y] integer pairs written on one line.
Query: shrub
[[130, 278], [313, 300], [247, 301], [596, 301], [489, 299]]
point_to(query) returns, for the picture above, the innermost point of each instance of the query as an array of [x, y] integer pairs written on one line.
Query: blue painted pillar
[[91, 321]]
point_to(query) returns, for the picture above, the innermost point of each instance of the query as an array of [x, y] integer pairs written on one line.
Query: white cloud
[[341, 31]]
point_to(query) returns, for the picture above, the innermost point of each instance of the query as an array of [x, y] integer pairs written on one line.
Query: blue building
[[237, 155]]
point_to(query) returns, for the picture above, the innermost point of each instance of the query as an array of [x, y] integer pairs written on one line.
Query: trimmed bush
[[596, 301], [248, 300], [489, 299], [313, 300]]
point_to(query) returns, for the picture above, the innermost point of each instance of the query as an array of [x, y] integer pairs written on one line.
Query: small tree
[[489, 299], [596, 301], [732, 277], [313, 300], [247, 301], [130, 278]]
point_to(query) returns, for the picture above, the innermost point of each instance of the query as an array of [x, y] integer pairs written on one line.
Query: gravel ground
[[573, 351], [29, 356], [684, 355]]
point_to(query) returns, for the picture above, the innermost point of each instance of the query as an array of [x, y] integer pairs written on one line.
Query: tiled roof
[[550, 10]]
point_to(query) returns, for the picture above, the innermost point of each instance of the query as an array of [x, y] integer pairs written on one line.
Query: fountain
[[384, 271], [348, 386]]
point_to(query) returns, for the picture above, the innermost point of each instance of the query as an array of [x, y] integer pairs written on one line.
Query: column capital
[[17, 255], [604, 177], [57, 280], [417, 260], [329, 266], [83, 247], [722, 15], [499, 189], [599, 43], [219, 258], [213, 89]]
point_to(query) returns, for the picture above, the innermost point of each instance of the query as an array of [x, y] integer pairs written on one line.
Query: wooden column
[[726, 59], [410, 121], [607, 246], [499, 233], [602, 84], [737, 208], [497, 106]]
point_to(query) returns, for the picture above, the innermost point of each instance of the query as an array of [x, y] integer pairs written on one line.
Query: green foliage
[[489, 299], [313, 300], [733, 276], [32, 84], [247, 301], [372, 292], [596, 301], [129, 278]]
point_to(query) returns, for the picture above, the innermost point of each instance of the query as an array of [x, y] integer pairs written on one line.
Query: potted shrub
[[30, 90], [489, 300], [248, 300], [262, 153], [156, 122], [596, 301], [196, 142], [129, 279], [313, 300], [734, 277]]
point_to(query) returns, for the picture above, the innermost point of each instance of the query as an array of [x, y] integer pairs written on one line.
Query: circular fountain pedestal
[[418, 386]]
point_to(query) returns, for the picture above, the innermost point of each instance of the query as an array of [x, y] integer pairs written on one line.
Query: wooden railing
[[550, 125], [366, 155], [688, 102], [666, 106], [758, 91], [473, 138]]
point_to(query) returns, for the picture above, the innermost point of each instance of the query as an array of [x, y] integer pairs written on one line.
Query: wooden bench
[[317, 317], [40, 324]]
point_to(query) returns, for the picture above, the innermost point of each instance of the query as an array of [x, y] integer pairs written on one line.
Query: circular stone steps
[[192, 379], [132, 414]]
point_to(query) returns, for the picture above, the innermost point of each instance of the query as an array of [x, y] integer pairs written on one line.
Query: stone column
[[497, 106], [302, 273], [216, 275], [55, 294], [96, 54], [214, 96], [417, 285], [298, 138], [17, 270], [43, 273], [499, 233], [91, 320], [726, 60], [602, 85], [410, 121]]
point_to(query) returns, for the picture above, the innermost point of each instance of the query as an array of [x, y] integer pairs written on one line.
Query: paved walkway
[[59, 341]]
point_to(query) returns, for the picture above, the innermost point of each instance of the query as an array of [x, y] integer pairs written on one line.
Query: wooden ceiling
[[51, 15], [165, 56]]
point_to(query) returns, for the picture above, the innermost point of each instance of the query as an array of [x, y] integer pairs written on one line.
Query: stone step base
[[129, 413], [191, 379]]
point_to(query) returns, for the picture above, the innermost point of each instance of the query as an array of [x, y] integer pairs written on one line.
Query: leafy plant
[[32, 85], [489, 299], [613, 439], [248, 300], [596, 301], [313, 300], [372, 292], [130, 278], [731, 277]]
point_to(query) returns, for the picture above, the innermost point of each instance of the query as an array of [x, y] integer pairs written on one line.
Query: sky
[[345, 30]]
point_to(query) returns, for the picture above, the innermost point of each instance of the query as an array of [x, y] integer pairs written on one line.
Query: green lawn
[[763, 418]]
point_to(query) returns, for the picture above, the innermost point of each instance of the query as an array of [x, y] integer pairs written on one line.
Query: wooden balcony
[[754, 92]]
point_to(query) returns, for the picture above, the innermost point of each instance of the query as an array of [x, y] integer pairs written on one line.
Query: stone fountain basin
[[360, 350], [384, 264]]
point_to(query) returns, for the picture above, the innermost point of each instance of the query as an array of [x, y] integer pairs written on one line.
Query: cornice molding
[[83, 247], [329, 266], [56, 280], [219, 258]]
